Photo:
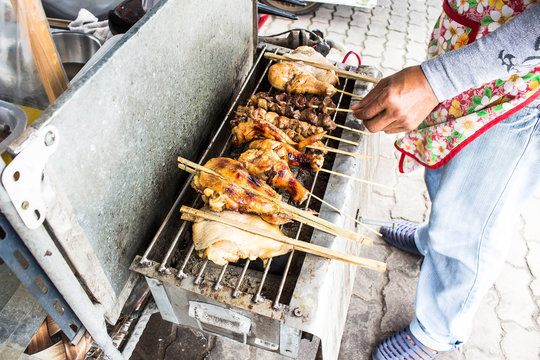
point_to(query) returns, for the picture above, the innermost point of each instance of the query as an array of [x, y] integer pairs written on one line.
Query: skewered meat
[[290, 154], [310, 54], [290, 104], [312, 110], [288, 77], [246, 131], [221, 243], [222, 194], [298, 131], [267, 102], [292, 127], [270, 160], [268, 166]]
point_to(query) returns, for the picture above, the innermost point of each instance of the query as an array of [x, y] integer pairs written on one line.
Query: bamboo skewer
[[343, 126], [342, 140], [191, 214], [350, 94], [353, 130], [357, 179], [338, 151], [297, 214], [338, 109], [345, 214], [340, 72], [334, 109]]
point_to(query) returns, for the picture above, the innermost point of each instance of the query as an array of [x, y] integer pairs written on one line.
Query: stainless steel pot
[[75, 49]]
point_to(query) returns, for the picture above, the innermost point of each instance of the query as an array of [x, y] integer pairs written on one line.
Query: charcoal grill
[[294, 295], [95, 176]]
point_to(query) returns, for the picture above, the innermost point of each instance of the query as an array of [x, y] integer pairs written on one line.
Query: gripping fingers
[[378, 123]]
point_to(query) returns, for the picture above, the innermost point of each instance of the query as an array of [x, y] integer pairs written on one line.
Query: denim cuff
[[418, 331], [419, 244]]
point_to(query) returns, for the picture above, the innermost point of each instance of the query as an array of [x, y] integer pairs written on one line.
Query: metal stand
[[24, 266]]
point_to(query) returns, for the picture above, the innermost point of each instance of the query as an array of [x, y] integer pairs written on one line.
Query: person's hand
[[398, 103]]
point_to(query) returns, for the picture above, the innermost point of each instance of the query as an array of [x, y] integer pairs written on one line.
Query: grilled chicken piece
[[221, 243], [250, 123], [290, 78], [289, 154], [246, 131], [292, 127], [310, 54], [268, 166], [222, 194]]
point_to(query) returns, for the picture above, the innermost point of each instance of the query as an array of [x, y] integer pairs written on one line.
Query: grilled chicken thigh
[[290, 78], [221, 194], [310, 54], [296, 129], [256, 128], [290, 154], [268, 166]]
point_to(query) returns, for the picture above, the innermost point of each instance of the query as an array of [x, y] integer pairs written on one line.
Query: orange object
[[33, 24]]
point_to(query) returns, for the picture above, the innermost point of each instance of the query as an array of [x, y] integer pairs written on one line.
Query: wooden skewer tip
[[338, 151], [367, 241], [357, 179], [350, 94], [353, 130]]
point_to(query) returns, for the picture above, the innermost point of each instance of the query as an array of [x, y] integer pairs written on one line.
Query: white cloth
[[87, 23]]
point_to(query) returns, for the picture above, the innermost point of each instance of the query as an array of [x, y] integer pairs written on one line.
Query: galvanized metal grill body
[[97, 169], [251, 304]]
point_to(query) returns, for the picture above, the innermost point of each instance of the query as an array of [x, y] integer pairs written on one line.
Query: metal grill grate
[[178, 258]]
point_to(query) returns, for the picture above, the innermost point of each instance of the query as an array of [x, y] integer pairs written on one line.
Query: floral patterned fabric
[[456, 122]]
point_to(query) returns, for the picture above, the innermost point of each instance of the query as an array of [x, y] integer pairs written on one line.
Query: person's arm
[[512, 48], [401, 101]]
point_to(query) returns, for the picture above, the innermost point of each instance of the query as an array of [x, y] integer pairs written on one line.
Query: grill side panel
[[156, 95]]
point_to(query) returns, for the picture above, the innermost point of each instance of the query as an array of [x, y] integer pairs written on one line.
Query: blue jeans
[[476, 199]]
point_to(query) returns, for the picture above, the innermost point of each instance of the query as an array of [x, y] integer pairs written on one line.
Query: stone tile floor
[[390, 36]]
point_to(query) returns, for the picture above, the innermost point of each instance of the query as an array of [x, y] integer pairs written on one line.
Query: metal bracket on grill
[[289, 340], [23, 176], [220, 321], [31, 275]]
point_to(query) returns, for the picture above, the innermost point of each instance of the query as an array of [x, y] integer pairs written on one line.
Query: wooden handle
[[34, 26], [191, 214], [343, 73], [59, 23]]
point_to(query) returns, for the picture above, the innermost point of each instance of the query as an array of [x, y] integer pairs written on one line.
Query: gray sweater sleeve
[[512, 48]]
